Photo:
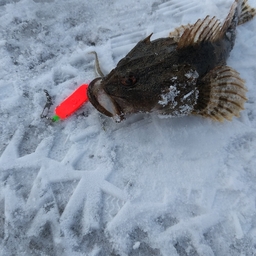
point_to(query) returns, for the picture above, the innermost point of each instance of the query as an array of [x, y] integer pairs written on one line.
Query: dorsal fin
[[209, 29], [203, 30], [178, 32], [234, 12]]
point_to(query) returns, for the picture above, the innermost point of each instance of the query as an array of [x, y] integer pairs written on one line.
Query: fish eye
[[128, 80]]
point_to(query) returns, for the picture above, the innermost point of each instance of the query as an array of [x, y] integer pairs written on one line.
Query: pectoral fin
[[222, 94]]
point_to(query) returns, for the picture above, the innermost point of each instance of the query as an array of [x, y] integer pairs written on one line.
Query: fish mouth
[[102, 101]]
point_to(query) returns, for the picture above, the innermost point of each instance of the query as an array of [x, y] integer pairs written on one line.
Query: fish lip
[[98, 97]]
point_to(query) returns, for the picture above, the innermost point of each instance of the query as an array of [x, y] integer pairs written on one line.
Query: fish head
[[128, 88], [123, 92]]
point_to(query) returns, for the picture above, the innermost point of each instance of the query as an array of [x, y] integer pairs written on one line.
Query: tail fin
[[240, 12], [246, 12], [221, 94]]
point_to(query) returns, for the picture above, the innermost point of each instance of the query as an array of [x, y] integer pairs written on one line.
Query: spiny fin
[[209, 29], [222, 94], [247, 13], [147, 39], [203, 30], [231, 20], [177, 33]]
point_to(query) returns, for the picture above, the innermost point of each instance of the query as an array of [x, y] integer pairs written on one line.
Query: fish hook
[[47, 106], [97, 64]]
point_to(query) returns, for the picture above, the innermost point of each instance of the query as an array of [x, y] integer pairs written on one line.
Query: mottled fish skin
[[176, 76]]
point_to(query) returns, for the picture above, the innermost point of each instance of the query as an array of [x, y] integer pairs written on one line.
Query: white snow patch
[[169, 97]]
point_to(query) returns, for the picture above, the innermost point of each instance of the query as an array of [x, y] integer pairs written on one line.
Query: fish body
[[182, 74]]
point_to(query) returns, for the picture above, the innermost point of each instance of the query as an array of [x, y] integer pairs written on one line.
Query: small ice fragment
[[136, 245], [191, 74], [187, 95]]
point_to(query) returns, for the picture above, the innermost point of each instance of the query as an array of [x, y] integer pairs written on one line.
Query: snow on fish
[[183, 74]]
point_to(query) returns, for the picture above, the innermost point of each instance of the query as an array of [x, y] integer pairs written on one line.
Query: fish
[[180, 75]]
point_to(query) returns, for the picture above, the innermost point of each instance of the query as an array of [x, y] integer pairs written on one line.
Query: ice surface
[[89, 186]]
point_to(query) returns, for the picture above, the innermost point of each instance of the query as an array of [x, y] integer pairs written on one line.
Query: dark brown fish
[[183, 74]]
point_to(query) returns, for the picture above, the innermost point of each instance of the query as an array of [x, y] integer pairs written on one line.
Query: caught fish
[[183, 74]]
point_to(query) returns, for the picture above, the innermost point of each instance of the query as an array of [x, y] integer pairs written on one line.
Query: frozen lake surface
[[90, 186]]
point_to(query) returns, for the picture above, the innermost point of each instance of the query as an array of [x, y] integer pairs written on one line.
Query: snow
[[169, 97], [90, 186]]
